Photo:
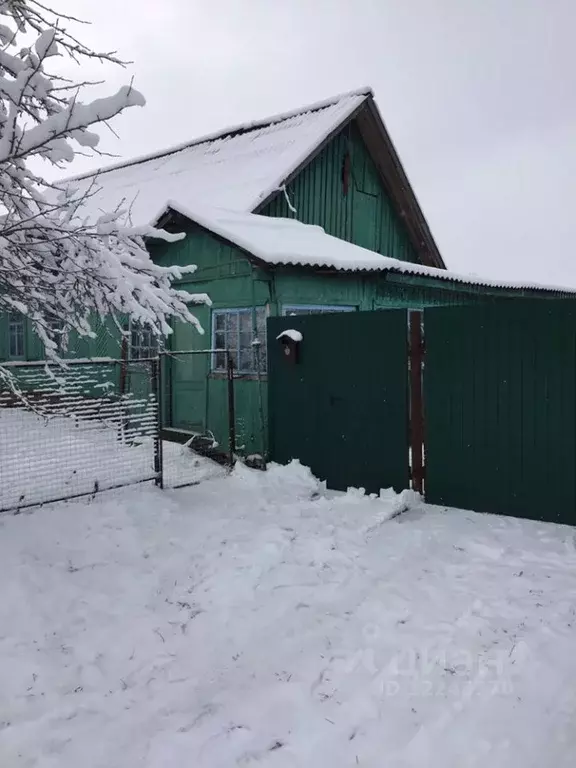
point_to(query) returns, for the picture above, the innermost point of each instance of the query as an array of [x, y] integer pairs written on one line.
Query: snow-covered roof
[[287, 242], [236, 168]]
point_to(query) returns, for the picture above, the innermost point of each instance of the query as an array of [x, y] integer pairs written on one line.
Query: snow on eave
[[481, 282], [240, 128], [388, 265], [407, 268]]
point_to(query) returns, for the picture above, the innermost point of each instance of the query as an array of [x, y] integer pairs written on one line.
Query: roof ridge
[[230, 131]]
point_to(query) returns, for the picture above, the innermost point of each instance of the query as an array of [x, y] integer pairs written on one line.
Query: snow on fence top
[[282, 241], [236, 168]]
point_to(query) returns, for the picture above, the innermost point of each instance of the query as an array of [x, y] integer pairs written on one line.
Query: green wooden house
[[309, 211]]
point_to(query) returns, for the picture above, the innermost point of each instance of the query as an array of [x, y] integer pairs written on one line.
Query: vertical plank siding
[[500, 406], [362, 214]]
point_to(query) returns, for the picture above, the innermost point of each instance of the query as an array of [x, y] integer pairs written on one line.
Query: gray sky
[[478, 95]]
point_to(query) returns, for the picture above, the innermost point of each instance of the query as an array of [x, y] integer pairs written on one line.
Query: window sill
[[221, 375]]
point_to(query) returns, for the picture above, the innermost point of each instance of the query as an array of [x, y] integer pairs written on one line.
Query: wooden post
[[416, 352]]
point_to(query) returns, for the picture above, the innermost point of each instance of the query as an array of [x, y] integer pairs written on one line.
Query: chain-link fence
[[96, 424], [75, 430]]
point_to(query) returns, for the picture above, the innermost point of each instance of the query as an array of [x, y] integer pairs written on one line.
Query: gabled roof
[[243, 167], [288, 242], [237, 168]]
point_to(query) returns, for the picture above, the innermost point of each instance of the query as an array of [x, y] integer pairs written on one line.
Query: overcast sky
[[479, 97]]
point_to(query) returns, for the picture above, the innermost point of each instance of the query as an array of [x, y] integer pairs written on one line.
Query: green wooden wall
[[106, 343], [229, 278], [363, 215]]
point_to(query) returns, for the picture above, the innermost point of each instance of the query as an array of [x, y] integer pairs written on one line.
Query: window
[[314, 309], [233, 329], [16, 335], [143, 342]]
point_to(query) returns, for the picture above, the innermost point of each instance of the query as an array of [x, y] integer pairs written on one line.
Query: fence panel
[[341, 407], [71, 431], [500, 405]]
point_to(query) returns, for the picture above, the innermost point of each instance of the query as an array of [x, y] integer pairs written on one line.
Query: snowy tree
[[58, 268]]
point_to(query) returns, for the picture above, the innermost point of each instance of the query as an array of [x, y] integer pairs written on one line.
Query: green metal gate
[[500, 413], [338, 401]]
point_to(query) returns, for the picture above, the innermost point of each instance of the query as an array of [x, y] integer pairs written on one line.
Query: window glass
[[143, 342], [239, 331], [16, 335]]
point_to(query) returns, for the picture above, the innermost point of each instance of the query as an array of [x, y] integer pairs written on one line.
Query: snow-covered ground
[[256, 620]]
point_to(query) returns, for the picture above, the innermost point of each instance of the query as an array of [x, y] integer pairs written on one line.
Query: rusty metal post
[[231, 409], [416, 352]]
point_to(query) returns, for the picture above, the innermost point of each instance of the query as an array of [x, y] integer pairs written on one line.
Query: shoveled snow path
[[242, 622]]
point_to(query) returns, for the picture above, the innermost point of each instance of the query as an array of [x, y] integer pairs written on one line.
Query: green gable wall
[[364, 215]]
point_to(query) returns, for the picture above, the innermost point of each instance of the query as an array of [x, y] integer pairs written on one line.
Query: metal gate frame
[[81, 393], [163, 383]]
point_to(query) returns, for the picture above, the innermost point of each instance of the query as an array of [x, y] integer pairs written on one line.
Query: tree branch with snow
[[56, 267]]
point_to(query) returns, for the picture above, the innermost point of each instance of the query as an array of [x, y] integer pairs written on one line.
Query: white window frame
[[219, 360], [315, 309], [16, 333]]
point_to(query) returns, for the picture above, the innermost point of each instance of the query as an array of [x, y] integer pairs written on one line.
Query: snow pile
[[254, 620], [290, 483]]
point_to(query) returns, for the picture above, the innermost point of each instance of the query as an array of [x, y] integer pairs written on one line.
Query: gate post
[[416, 360], [231, 408]]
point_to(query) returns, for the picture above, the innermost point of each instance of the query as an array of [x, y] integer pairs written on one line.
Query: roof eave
[[403, 196]]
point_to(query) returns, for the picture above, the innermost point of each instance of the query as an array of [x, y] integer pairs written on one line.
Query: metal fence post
[[123, 386], [156, 377], [231, 408]]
